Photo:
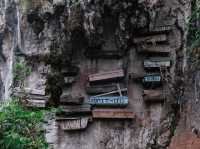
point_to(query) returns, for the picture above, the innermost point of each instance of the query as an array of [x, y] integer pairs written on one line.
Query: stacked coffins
[[153, 45], [73, 113], [31, 97], [107, 98]]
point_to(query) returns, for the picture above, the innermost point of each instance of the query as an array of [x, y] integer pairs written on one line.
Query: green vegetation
[[21, 71], [21, 128]]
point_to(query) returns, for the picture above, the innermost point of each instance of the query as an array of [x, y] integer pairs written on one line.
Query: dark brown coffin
[[150, 39], [112, 114], [100, 89], [109, 75], [154, 95], [68, 99]]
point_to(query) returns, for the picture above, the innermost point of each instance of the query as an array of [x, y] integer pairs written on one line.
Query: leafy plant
[[21, 128], [21, 71]]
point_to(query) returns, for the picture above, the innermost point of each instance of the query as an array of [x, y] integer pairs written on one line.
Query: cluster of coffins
[[106, 100], [31, 98], [154, 46]]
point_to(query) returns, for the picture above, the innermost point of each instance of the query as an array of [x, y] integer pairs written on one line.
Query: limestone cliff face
[[55, 37]]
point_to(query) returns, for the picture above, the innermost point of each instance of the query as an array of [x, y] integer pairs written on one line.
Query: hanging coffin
[[152, 81], [74, 110], [151, 39], [112, 101], [161, 29], [68, 99], [158, 49], [154, 95], [112, 114], [109, 75], [157, 63], [100, 89], [74, 123], [35, 103]]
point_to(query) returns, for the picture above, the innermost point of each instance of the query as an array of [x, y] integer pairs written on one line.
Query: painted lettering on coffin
[[109, 101]]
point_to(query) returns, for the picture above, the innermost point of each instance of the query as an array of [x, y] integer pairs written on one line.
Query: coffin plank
[[113, 114], [151, 39], [154, 95], [109, 75], [73, 123], [29, 91], [68, 99]]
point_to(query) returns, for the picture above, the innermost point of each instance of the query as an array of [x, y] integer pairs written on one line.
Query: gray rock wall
[[52, 36]]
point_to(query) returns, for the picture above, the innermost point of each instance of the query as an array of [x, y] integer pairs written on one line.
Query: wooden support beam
[[112, 114]]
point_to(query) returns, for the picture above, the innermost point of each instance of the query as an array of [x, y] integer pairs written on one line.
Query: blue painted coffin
[[152, 78], [109, 101]]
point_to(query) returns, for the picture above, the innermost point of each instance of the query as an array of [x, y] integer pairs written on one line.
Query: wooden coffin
[[154, 49], [74, 123], [36, 103], [29, 91], [104, 54], [159, 29], [109, 75], [157, 63], [151, 39], [70, 71], [109, 101], [74, 110], [112, 114], [68, 99], [100, 89], [152, 78], [154, 95]]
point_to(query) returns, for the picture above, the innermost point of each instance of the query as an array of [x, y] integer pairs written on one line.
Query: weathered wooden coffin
[[100, 89], [36, 103], [74, 123], [154, 78], [164, 28], [104, 54], [29, 91], [157, 63], [112, 114], [74, 110], [151, 39], [154, 95], [154, 49], [68, 99], [109, 75], [109, 101]]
